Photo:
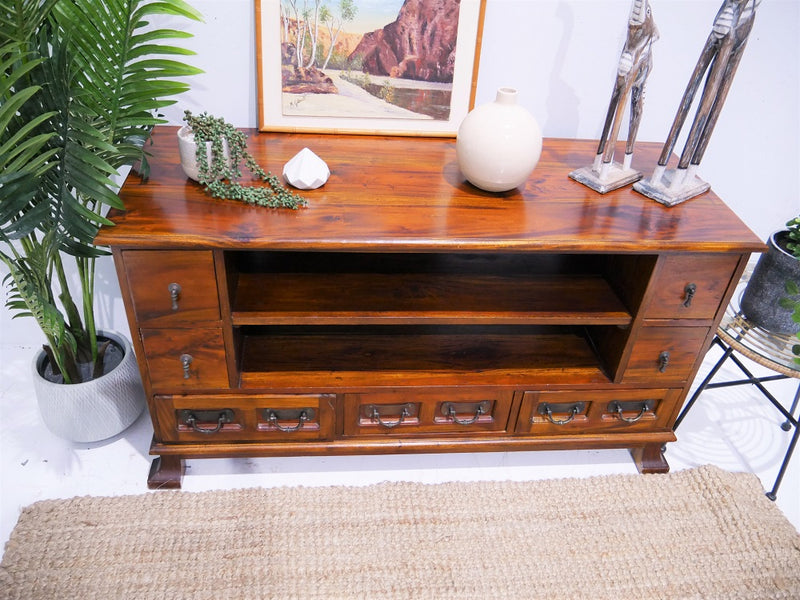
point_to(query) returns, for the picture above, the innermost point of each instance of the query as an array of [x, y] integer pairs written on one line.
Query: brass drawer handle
[[545, 409], [186, 363], [689, 291], [191, 418], [616, 407], [174, 294], [449, 411], [375, 415], [663, 361], [273, 417]]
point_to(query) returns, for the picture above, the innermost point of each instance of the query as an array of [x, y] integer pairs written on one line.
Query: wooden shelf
[[420, 298], [360, 356]]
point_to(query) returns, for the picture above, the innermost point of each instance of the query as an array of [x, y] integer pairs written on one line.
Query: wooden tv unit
[[406, 311]]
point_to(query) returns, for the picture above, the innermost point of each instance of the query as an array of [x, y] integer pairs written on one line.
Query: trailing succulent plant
[[220, 177]]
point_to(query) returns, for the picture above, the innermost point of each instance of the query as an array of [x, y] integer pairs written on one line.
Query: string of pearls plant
[[220, 177]]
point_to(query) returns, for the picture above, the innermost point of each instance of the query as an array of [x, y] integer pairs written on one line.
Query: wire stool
[[767, 349]]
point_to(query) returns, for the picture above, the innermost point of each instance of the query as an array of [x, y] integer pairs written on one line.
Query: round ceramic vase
[[94, 410], [498, 144]]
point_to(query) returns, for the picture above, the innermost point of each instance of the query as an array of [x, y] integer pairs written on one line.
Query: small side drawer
[[691, 286], [426, 412], [185, 358], [173, 287], [586, 411], [665, 354], [263, 418]]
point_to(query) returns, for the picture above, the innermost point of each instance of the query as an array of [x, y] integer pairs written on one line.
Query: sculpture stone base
[[661, 190], [617, 176]]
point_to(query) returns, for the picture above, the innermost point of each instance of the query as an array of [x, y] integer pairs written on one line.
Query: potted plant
[[82, 81], [212, 152], [772, 291]]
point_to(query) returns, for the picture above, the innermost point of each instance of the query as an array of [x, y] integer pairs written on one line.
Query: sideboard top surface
[[407, 194]]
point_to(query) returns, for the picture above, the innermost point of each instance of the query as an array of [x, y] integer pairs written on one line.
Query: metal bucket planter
[[767, 285], [93, 410]]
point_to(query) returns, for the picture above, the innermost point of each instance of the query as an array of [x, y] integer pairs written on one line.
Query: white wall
[[562, 56]]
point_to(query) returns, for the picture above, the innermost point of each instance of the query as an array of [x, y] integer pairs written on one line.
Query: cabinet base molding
[[168, 467]]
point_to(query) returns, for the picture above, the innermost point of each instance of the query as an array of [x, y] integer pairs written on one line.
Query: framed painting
[[377, 67]]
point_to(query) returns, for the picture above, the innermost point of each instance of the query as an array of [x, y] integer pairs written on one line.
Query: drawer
[[665, 354], [172, 288], [263, 418], [185, 358], [570, 412], [691, 286], [426, 412]]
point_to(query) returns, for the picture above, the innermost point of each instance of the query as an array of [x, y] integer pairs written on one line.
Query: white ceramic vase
[[94, 410], [499, 144], [187, 148]]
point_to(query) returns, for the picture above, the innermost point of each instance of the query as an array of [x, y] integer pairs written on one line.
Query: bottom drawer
[[264, 418], [411, 412], [571, 412]]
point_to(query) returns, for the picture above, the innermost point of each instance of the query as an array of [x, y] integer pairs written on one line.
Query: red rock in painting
[[420, 44]]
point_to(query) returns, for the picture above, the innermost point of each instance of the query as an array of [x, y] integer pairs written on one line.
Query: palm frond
[[24, 156]]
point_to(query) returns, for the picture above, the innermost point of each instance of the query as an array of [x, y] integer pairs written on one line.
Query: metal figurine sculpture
[[722, 52], [635, 64]]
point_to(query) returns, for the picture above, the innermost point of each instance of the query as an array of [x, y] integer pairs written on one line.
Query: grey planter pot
[[94, 410], [760, 301]]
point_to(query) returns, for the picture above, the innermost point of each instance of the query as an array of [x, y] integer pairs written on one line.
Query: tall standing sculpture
[[721, 55], [635, 64]]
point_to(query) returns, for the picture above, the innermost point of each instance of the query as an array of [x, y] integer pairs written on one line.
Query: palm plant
[[83, 81]]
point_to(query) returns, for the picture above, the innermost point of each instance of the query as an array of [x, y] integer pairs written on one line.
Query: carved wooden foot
[[166, 473], [650, 459]]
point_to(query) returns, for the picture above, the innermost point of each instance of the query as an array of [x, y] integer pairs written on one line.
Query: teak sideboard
[[404, 310]]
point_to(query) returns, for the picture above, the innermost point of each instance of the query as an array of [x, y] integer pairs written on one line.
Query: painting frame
[[274, 104]]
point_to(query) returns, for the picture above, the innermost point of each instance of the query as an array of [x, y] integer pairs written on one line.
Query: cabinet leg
[[166, 473], [650, 459]]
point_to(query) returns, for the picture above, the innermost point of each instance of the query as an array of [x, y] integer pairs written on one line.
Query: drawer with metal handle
[[426, 411], [587, 411], [665, 354], [241, 418], [177, 288], [181, 359], [690, 286]]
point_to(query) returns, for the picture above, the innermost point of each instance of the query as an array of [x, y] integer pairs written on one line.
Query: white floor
[[734, 428]]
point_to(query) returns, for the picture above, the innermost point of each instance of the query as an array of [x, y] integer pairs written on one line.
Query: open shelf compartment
[[365, 356], [307, 288]]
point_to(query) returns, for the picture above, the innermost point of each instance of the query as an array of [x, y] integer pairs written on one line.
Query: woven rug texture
[[701, 533]]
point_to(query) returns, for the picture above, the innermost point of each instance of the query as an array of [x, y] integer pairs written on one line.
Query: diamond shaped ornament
[[306, 170]]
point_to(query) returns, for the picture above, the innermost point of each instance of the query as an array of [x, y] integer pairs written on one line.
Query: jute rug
[[700, 533]]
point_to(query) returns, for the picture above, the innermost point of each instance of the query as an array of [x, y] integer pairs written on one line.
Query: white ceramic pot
[[94, 410], [499, 144], [187, 148]]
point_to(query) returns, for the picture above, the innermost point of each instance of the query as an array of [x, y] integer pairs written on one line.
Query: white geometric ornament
[[306, 170]]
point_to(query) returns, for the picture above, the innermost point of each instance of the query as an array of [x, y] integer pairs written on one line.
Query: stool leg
[[704, 383], [787, 424], [774, 492]]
